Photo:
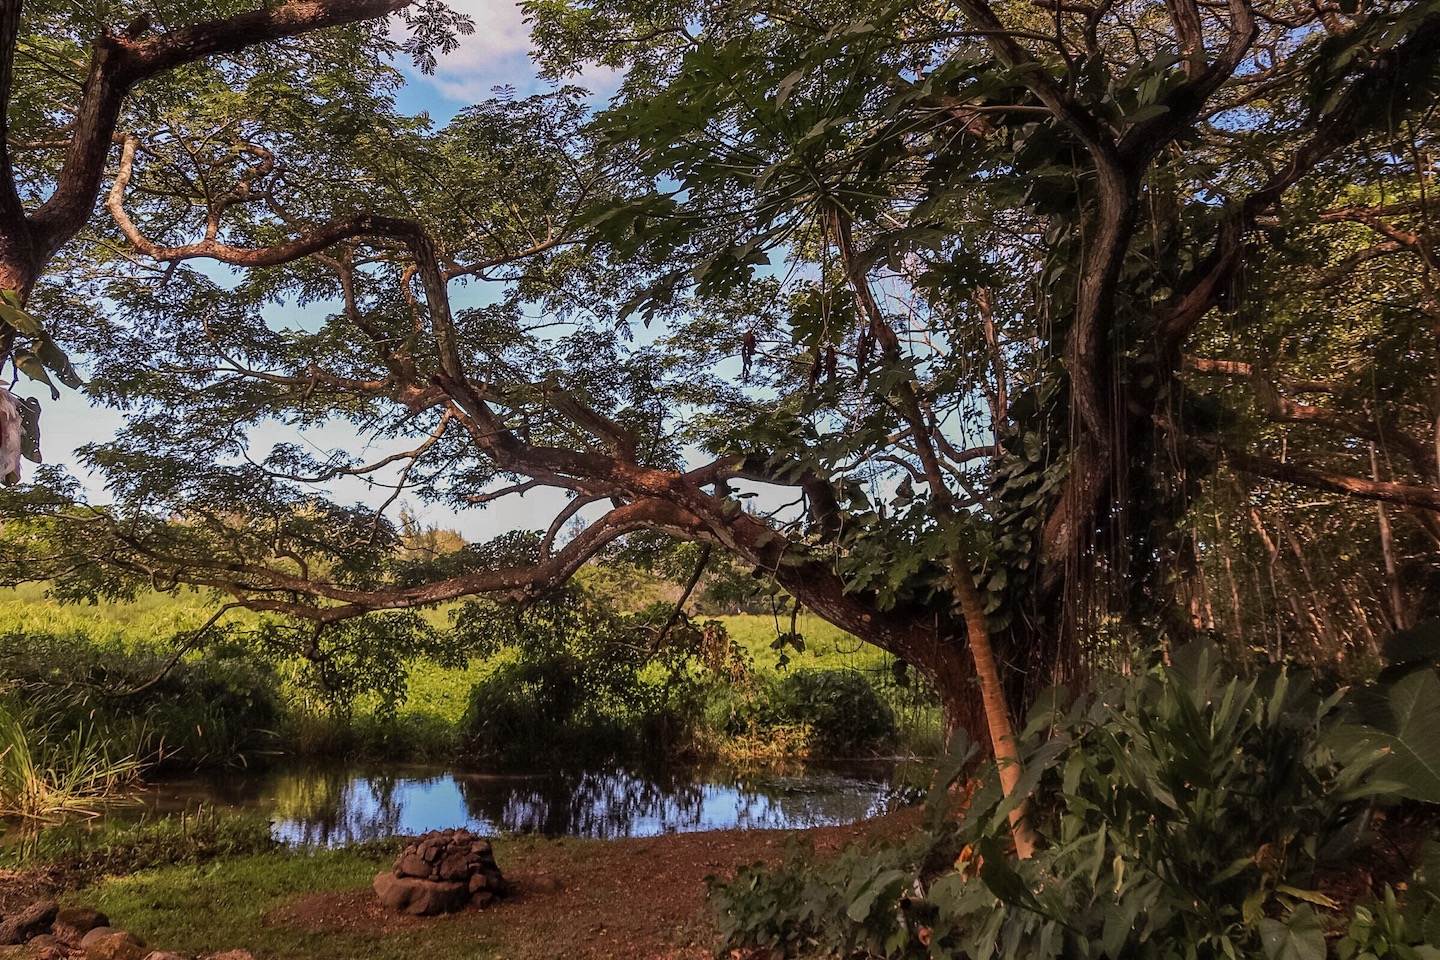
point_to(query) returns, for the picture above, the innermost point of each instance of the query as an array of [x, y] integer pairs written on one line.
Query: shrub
[[222, 709], [1183, 815], [580, 679], [844, 714]]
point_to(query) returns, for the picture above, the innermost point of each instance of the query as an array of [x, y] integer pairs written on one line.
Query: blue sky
[[496, 54]]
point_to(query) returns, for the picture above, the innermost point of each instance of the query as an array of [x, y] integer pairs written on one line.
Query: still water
[[329, 806]]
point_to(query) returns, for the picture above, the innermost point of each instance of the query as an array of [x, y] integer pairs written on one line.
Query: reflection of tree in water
[[816, 800], [619, 802], [333, 807], [588, 803], [327, 807]]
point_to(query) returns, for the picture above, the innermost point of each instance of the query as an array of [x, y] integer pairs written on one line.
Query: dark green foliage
[[223, 708], [585, 681], [845, 714], [1183, 815]]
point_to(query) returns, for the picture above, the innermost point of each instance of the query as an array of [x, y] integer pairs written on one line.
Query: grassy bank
[[102, 672]]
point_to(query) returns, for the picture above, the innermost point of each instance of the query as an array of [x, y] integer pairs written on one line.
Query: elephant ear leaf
[[1414, 741], [1398, 725]]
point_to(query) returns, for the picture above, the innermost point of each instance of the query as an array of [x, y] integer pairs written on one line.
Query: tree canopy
[[1029, 321]]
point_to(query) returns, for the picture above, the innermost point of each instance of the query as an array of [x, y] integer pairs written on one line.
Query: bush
[[843, 712], [1182, 815], [581, 680], [221, 710]]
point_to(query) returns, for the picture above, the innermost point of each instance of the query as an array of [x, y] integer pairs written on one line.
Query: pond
[[328, 806]]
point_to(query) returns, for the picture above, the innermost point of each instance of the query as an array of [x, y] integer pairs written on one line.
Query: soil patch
[[640, 899], [20, 888]]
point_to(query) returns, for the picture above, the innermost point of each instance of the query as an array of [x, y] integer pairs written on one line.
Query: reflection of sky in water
[[335, 807]]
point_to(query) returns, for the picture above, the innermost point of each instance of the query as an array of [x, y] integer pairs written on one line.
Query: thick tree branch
[[1239, 370], [1410, 495], [1351, 118], [120, 61], [10, 209]]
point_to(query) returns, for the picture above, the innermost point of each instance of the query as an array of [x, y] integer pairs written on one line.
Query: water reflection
[[328, 806]]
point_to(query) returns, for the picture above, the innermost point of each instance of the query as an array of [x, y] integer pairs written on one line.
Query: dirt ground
[[631, 899]]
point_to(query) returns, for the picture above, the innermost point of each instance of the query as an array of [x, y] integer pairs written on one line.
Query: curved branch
[[1350, 119], [120, 61]]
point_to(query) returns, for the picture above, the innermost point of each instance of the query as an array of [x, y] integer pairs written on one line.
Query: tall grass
[[47, 781]]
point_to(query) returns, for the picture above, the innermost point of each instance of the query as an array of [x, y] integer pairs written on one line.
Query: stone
[[72, 923], [412, 865], [32, 951], [48, 945], [454, 867], [96, 933], [232, 955], [30, 922], [166, 955], [477, 882], [482, 899], [117, 945], [421, 898]]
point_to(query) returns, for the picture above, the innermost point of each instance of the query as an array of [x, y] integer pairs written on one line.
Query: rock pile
[[42, 931], [441, 872]]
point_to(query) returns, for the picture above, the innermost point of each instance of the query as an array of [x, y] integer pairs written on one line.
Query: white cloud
[[496, 54]]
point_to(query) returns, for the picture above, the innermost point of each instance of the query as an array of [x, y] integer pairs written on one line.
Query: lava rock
[[72, 923], [116, 945], [412, 865], [28, 923], [421, 898]]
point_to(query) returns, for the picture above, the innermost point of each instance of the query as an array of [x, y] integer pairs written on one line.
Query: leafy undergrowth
[[1185, 814]]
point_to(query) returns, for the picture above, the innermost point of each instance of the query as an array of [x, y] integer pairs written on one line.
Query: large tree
[[930, 271], [69, 75]]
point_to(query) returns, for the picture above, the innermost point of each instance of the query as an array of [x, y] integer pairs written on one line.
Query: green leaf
[[20, 320], [1002, 880], [1118, 924], [1300, 938], [1309, 896], [1400, 734], [859, 908], [30, 365], [1146, 113], [58, 362]]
